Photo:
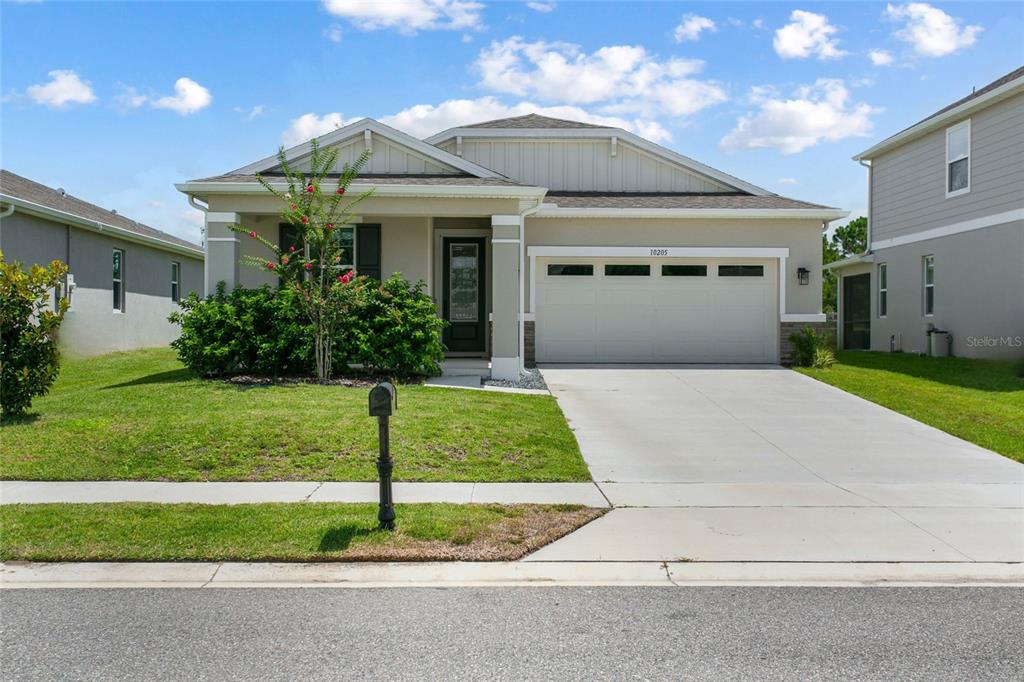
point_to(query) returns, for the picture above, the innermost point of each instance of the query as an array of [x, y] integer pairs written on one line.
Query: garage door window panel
[[570, 270], [627, 270], [741, 271], [684, 271]]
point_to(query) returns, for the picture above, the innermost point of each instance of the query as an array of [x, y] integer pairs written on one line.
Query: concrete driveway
[[764, 464]]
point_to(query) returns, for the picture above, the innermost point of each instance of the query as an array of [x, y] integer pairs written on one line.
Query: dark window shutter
[[288, 237], [368, 250]]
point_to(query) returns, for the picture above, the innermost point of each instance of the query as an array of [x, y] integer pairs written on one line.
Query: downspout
[[867, 240], [522, 280], [206, 244], [7, 211]]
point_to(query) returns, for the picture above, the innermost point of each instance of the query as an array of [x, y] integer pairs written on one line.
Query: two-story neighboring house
[[125, 277], [945, 234]]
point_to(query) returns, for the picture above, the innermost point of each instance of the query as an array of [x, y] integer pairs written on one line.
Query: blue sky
[[115, 102]]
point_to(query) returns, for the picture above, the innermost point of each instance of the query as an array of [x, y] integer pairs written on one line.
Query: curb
[[19, 575]]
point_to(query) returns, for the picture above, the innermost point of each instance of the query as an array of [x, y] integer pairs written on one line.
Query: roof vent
[[114, 211], [60, 191]]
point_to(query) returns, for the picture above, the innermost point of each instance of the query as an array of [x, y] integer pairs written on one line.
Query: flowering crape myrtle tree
[[317, 207]]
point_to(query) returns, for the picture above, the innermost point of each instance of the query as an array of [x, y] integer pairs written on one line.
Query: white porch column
[[505, 286], [221, 251]]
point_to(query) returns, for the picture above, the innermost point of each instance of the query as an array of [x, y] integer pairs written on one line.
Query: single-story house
[[125, 278], [945, 234], [554, 241]]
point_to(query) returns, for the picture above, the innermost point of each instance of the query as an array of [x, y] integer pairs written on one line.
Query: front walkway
[[764, 464]]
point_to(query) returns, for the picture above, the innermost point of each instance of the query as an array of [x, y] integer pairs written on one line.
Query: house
[[545, 240], [125, 277], [945, 234]]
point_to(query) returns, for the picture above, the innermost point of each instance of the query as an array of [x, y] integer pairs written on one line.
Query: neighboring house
[[556, 241], [945, 233], [125, 277]]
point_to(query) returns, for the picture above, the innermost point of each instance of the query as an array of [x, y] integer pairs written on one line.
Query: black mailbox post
[[383, 401]]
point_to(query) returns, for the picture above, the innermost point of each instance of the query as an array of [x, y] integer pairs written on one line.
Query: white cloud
[[788, 181], [64, 87], [691, 27], [880, 57], [333, 33], [758, 23], [542, 7], [129, 97], [308, 126], [816, 113], [251, 114], [807, 35], [188, 98], [408, 16], [931, 32], [618, 78]]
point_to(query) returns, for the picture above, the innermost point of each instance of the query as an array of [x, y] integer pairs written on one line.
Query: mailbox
[[383, 400]]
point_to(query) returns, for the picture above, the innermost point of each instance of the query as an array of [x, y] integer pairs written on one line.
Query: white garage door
[[656, 310]]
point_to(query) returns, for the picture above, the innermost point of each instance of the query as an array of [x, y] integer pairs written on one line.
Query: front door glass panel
[[464, 282]]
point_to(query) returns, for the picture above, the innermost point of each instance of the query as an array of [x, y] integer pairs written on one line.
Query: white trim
[[505, 368], [529, 317], [646, 251], [953, 228], [882, 267], [605, 133], [222, 217], [781, 274], [949, 130], [551, 210], [943, 119], [223, 239], [506, 220], [504, 241], [97, 226], [803, 317], [851, 260], [387, 132], [389, 190]]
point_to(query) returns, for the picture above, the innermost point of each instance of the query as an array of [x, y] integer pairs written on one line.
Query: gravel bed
[[529, 378]]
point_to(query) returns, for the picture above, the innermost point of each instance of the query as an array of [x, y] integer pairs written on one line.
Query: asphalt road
[[514, 633]]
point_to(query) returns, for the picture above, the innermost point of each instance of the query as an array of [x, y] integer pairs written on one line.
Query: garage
[[656, 310]]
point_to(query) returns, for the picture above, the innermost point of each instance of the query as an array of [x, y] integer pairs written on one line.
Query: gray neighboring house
[[945, 233], [125, 277]]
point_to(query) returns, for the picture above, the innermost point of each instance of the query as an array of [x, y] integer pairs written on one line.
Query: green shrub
[[29, 359], [823, 358], [811, 349], [397, 331]]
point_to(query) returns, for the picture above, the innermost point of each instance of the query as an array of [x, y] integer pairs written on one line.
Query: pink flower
[[291, 249], [347, 277], [284, 260], [330, 226], [310, 189], [252, 234], [341, 278], [341, 190], [294, 206], [308, 266], [270, 266], [305, 220]]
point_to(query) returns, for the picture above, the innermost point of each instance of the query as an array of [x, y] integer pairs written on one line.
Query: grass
[[142, 416], [280, 532], [981, 401]]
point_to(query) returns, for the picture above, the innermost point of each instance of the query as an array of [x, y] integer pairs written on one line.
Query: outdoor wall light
[[803, 275]]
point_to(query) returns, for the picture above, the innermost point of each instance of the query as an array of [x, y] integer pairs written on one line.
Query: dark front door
[[857, 312], [463, 302]]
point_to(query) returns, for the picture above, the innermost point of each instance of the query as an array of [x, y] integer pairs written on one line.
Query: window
[[958, 159], [929, 285], [741, 271], [175, 281], [118, 280], [627, 270], [684, 271], [577, 270], [883, 289], [345, 236]]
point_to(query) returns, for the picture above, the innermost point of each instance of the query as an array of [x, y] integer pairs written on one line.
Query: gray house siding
[[979, 293], [91, 325], [908, 183]]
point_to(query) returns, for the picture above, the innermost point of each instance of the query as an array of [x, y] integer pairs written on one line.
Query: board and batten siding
[[582, 165], [908, 183], [387, 158]]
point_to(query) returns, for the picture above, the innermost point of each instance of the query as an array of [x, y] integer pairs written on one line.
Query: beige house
[[945, 234], [544, 240]]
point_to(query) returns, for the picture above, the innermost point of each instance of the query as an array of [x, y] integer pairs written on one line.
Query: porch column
[[505, 359], [221, 251]]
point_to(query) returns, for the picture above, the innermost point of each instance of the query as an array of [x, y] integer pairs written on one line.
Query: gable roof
[[996, 91], [585, 130], [534, 121], [674, 200], [38, 198], [361, 127]]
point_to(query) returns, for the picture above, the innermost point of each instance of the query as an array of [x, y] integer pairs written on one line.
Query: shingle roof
[[450, 180], [671, 200], [18, 187], [1012, 76], [533, 121]]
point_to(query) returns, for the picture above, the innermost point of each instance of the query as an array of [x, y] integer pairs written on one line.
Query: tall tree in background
[[847, 240]]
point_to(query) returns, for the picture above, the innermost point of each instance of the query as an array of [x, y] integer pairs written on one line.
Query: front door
[[463, 303], [857, 312]]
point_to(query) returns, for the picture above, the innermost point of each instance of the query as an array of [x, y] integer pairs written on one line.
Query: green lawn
[[142, 416], [978, 400], [280, 532]]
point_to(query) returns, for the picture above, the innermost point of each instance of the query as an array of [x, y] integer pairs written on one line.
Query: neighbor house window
[[175, 281], [684, 271], [929, 285], [883, 289], [118, 280], [741, 271], [570, 270], [958, 159], [627, 270]]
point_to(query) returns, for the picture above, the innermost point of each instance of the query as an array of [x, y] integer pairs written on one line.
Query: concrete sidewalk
[[36, 492]]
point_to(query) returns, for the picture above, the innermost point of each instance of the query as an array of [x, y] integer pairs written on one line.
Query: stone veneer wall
[[529, 343], [787, 328]]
